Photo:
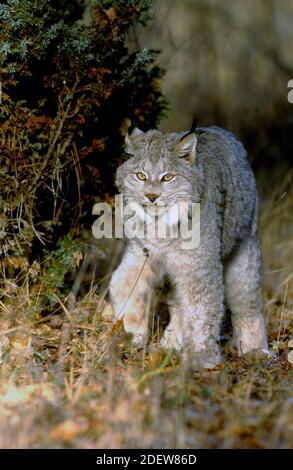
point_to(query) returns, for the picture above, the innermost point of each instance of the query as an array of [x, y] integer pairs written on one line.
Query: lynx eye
[[141, 176], [167, 177]]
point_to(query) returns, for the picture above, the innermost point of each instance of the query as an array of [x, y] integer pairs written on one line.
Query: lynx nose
[[152, 197]]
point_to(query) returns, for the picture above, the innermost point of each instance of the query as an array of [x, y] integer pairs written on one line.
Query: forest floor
[[72, 381]]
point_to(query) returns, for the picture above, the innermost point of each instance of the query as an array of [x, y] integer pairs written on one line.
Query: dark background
[[228, 63]]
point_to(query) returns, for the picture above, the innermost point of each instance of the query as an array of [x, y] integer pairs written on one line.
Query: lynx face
[[160, 170]]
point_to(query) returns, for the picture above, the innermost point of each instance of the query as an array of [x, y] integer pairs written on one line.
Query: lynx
[[208, 166]]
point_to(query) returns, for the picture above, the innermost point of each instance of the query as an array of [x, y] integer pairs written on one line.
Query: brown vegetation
[[70, 380]]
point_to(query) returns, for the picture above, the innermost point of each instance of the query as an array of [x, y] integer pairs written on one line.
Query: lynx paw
[[205, 359], [202, 359], [258, 354]]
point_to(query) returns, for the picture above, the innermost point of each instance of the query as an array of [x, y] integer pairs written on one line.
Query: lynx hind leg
[[130, 290], [244, 297]]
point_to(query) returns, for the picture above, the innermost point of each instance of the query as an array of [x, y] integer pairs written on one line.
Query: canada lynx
[[208, 166]]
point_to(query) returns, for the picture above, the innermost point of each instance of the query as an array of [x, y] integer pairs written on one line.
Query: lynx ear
[[186, 147], [129, 139]]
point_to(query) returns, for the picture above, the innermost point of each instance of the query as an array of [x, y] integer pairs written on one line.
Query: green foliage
[[68, 81], [57, 264]]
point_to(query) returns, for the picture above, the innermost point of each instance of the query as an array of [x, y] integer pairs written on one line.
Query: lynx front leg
[[130, 290], [198, 333], [244, 297], [195, 319]]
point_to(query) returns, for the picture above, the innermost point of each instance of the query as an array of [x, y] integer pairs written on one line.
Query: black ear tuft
[[194, 124], [192, 130]]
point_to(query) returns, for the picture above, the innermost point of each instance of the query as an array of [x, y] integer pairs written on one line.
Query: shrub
[[67, 84]]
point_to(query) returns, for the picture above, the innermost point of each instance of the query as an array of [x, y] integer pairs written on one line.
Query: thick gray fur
[[225, 268]]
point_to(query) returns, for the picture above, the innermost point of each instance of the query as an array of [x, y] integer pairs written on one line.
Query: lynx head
[[161, 169]]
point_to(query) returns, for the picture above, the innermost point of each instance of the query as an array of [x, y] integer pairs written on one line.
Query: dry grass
[[71, 381]]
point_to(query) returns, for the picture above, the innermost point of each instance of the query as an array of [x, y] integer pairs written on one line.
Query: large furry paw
[[249, 335], [208, 359], [258, 354], [194, 360]]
